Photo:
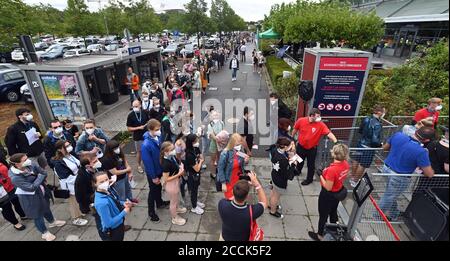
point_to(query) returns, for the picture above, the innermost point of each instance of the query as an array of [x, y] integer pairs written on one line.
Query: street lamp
[[104, 17]]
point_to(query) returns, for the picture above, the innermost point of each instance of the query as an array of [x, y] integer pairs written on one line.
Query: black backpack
[[306, 90]]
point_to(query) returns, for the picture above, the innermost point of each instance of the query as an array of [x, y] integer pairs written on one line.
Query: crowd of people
[[171, 151]]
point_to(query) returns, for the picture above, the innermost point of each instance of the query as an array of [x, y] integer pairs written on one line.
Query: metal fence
[[383, 215]]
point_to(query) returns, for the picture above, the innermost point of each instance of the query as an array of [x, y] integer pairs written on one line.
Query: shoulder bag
[[256, 233], [57, 192]]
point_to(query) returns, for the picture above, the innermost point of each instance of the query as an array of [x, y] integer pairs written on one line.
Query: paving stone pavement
[[299, 205]]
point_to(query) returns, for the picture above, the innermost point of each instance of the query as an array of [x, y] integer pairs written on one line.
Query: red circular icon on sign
[[347, 107], [321, 106], [330, 106], [338, 107]]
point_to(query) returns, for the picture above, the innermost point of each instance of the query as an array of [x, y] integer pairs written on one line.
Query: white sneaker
[[200, 204], [47, 236], [204, 166], [80, 222], [179, 221], [197, 210], [57, 223], [181, 210]]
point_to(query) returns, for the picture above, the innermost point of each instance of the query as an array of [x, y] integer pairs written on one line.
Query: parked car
[[25, 93], [189, 50], [76, 53], [41, 46], [55, 52], [112, 47], [6, 66], [17, 55], [10, 82], [95, 48], [171, 48]]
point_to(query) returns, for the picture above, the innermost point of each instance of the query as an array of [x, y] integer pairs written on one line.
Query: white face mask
[[196, 145], [136, 109], [157, 133], [319, 119], [145, 99], [90, 131], [172, 153], [117, 150], [439, 107], [97, 165], [26, 163], [58, 131], [273, 102], [289, 128], [238, 147], [69, 149], [29, 117], [104, 186], [216, 120], [153, 91]]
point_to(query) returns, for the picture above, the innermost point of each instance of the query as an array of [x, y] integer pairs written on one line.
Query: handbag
[[256, 232], [57, 192], [341, 194]]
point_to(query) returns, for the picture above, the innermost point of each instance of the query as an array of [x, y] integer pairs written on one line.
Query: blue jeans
[[40, 223], [234, 73], [134, 95], [123, 189], [396, 185]]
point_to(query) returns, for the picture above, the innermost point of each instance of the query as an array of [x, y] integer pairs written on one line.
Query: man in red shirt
[[432, 110], [310, 130]]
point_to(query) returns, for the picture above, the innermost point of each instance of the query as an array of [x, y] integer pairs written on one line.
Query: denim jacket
[[371, 132], [84, 144], [225, 166]]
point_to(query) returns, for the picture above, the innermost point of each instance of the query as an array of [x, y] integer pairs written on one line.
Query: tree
[[79, 21], [141, 18], [115, 17], [195, 18], [12, 22], [224, 17]]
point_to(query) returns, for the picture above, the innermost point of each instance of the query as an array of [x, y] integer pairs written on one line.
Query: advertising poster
[[63, 95], [339, 84]]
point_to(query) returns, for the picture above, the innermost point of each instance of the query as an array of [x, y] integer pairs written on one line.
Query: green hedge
[[275, 67]]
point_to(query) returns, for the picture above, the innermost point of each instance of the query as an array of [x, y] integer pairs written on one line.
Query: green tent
[[269, 34]]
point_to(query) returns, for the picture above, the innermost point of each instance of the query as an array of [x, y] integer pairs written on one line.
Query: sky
[[250, 10]]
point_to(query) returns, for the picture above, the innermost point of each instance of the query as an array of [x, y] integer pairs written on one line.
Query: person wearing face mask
[[152, 165], [155, 91], [115, 164], [310, 130], [66, 167], [136, 124], [84, 192], [193, 164], [432, 110], [410, 130], [17, 142], [283, 169], [93, 140], [111, 210], [56, 134], [186, 85], [29, 180], [231, 165], [172, 170], [245, 128], [147, 103], [278, 110], [371, 130], [406, 154], [197, 79], [169, 126], [157, 112], [177, 95], [132, 81], [214, 127], [234, 66]]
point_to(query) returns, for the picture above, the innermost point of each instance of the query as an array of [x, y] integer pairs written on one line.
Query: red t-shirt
[[424, 113], [309, 133], [336, 172], [5, 181]]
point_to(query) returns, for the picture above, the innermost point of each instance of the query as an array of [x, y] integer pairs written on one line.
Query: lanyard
[[138, 118]]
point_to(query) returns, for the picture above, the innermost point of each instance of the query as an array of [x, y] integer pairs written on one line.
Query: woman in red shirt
[[332, 180], [6, 201]]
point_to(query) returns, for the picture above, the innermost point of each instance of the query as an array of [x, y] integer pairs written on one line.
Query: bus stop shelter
[[77, 88]]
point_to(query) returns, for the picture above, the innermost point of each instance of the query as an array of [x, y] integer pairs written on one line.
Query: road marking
[[212, 89], [236, 89]]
